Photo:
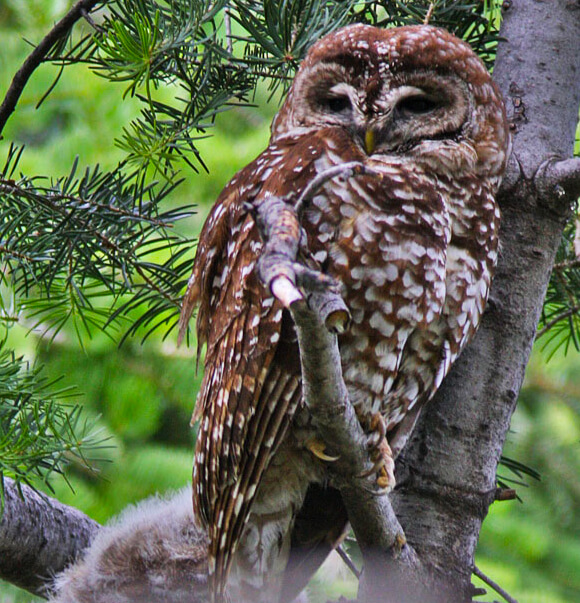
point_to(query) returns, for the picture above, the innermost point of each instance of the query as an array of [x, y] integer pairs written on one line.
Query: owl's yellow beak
[[369, 141]]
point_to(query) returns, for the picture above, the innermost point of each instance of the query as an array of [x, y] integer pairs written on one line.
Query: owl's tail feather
[[219, 562]]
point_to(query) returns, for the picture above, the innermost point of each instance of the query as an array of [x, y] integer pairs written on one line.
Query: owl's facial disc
[[388, 114], [327, 97]]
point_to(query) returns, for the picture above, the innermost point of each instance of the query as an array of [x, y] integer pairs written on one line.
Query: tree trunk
[[447, 474]]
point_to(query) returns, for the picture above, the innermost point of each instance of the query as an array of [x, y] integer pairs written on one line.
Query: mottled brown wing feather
[[238, 425], [247, 399]]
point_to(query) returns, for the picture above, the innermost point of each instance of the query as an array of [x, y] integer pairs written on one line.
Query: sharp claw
[[380, 452], [384, 484], [378, 424], [384, 481], [317, 447]]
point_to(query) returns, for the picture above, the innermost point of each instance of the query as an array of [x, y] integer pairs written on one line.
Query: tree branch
[[559, 180], [494, 585], [562, 316], [39, 537], [38, 55]]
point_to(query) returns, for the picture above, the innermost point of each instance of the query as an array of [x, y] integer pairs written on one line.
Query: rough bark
[[39, 537], [447, 474]]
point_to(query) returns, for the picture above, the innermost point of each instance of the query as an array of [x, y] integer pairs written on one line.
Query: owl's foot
[[380, 452], [383, 459]]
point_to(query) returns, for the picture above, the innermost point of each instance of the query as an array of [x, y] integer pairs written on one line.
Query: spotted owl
[[413, 241]]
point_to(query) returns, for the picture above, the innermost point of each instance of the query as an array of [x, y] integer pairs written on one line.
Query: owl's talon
[[318, 448], [379, 451], [377, 424], [383, 482]]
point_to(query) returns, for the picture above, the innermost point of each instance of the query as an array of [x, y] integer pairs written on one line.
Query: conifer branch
[[559, 317]]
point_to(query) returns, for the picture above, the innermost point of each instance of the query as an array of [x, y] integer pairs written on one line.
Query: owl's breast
[[387, 246]]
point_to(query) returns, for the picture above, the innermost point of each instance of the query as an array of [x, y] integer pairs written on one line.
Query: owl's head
[[413, 91]]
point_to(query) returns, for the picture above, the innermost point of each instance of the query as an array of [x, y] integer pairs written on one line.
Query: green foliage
[[279, 33], [175, 46], [184, 47], [540, 535], [39, 435], [70, 243], [560, 321]]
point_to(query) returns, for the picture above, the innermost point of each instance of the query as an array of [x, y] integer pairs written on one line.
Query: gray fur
[[151, 553]]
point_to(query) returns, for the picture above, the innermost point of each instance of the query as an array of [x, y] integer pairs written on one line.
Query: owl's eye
[[336, 104], [417, 105]]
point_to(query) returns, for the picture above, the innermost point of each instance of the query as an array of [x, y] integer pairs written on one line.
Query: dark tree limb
[[39, 537], [447, 474], [39, 54]]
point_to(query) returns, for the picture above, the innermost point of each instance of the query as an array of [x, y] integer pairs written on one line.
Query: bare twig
[[344, 170], [565, 265], [87, 17], [429, 14], [348, 561], [279, 222], [281, 230], [502, 494], [39, 54], [498, 589], [228, 24]]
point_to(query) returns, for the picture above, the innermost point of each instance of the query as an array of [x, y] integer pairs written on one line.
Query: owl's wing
[[247, 401], [251, 385], [430, 352]]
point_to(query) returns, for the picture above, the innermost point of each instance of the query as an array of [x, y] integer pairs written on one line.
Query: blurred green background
[[143, 395]]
